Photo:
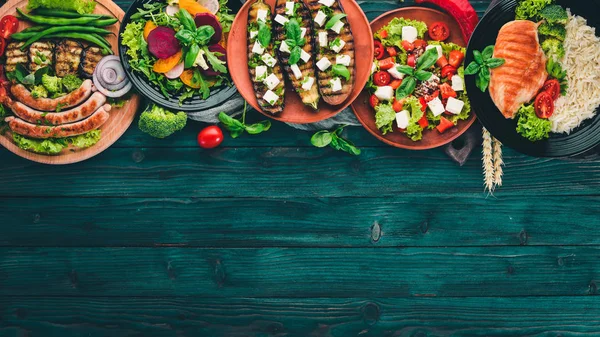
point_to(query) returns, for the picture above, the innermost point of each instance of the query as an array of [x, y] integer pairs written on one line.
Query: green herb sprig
[[482, 65], [237, 127], [334, 139], [412, 75], [294, 40]]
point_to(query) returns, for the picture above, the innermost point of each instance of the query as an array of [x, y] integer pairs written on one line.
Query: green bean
[[103, 22], [64, 29], [65, 14], [103, 40], [86, 37], [55, 21], [37, 28], [22, 35]]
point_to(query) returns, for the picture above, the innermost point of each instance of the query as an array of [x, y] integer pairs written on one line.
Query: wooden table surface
[[268, 236]]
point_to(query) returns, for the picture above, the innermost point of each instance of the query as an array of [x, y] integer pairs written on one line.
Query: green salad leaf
[[53, 146], [79, 6], [530, 9], [414, 131], [531, 126], [394, 31], [385, 117], [131, 37]]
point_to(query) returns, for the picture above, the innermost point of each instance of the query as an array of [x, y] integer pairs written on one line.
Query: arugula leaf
[[341, 70], [334, 19], [214, 61]]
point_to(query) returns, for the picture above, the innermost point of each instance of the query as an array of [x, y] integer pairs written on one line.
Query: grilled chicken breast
[[15, 56], [524, 72], [334, 50], [41, 55], [68, 57]]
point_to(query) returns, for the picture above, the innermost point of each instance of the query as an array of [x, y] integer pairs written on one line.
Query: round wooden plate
[[295, 111], [365, 113], [113, 129]]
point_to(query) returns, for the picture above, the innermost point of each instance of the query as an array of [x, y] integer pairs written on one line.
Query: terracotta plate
[[295, 111], [366, 114], [113, 129]]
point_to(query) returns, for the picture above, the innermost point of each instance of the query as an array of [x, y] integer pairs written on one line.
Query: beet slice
[[162, 42], [207, 19], [215, 48]]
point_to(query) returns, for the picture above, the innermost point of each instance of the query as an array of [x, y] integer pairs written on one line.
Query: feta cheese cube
[[308, 83], [327, 3], [302, 32], [269, 60], [261, 73], [395, 73], [457, 83], [343, 60], [433, 78], [439, 49], [454, 105], [296, 70], [323, 39], [304, 56], [320, 18], [271, 97], [337, 27], [337, 45], [261, 15], [253, 34], [385, 93], [436, 106], [409, 33], [336, 84], [272, 81], [257, 48], [323, 64], [282, 20], [374, 67], [284, 47], [289, 8], [402, 119]]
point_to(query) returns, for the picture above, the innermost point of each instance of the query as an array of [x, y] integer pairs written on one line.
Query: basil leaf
[[257, 128], [334, 20], [264, 35], [185, 36], [482, 80], [293, 31], [406, 88], [407, 70], [186, 20], [295, 55], [229, 122], [478, 57], [321, 139], [203, 34], [214, 61], [423, 75], [291, 43], [341, 70], [495, 62], [347, 146], [472, 68], [428, 59], [487, 53], [29, 79]]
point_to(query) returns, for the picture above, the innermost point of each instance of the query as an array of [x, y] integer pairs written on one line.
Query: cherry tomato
[[447, 91], [373, 101], [398, 105], [392, 51], [8, 26], [2, 46], [456, 58], [420, 44], [439, 31], [407, 46], [387, 63], [411, 60], [423, 104], [395, 84], [423, 122], [448, 71], [379, 50], [383, 34], [552, 87], [544, 105], [429, 98], [442, 61], [210, 137], [382, 78]]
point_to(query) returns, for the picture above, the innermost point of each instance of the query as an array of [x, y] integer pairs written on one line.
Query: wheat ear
[[488, 162], [498, 163]]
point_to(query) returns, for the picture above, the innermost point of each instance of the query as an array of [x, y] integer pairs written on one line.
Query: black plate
[[582, 139], [153, 93]]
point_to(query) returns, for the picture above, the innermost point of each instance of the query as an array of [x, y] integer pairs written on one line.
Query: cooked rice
[[582, 64]]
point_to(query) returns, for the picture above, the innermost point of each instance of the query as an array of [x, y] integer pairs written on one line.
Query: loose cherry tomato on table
[[439, 31], [379, 50], [383, 34], [552, 87], [544, 105], [395, 84], [392, 51], [381, 78], [420, 44], [8, 26], [447, 91], [444, 125], [373, 101], [442, 61], [407, 46], [456, 58], [411, 61], [387, 63], [210, 137], [448, 71], [398, 105]]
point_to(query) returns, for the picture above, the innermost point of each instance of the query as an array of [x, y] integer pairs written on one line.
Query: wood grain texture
[[434, 221], [426, 317], [301, 273]]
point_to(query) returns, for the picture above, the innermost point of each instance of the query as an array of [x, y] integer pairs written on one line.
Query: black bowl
[[153, 93], [581, 140]]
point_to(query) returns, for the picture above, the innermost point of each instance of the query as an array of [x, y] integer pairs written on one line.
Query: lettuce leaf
[[447, 47], [530, 126], [79, 6], [385, 117], [394, 30], [53, 146], [530, 9], [131, 37], [414, 131]]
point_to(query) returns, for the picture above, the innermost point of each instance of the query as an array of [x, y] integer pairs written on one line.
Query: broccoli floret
[[39, 92], [160, 123], [553, 48], [71, 82], [554, 14], [52, 84], [550, 30]]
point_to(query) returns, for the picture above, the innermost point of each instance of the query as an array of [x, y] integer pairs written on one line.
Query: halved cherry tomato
[[447, 91], [379, 50], [8, 26], [439, 31], [544, 105], [423, 104], [456, 58], [383, 34], [382, 78], [373, 101], [411, 60], [210, 137], [398, 105], [429, 98], [420, 44], [448, 71], [2, 46], [387, 63], [395, 84], [442, 61], [552, 87], [407, 46], [392, 51], [444, 125], [423, 122]]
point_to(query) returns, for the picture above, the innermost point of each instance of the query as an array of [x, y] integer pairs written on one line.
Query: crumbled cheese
[[282, 20], [323, 64], [327, 3], [395, 73], [402, 119], [269, 60], [409, 33], [343, 60], [284, 47], [258, 49], [304, 56], [323, 39], [296, 70], [374, 67], [436, 106], [454, 105], [320, 18], [308, 83], [271, 97], [337, 27], [438, 47], [253, 33], [337, 45], [336, 84], [385, 93], [271, 81], [261, 15], [261, 73], [302, 32], [457, 83], [200, 61], [289, 8]]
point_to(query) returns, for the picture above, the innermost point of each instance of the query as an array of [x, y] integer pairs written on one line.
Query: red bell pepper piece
[[444, 125]]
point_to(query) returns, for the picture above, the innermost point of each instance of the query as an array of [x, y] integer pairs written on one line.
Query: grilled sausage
[[90, 58], [96, 120], [41, 54], [75, 98], [264, 61], [58, 118], [15, 56], [68, 57], [332, 94], [302, 16]]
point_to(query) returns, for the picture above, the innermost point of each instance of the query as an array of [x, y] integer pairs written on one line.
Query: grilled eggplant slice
[[293, 32], [265, 70], [335, 46], [41, 54], [90, 57], [15, 56], [68, 57]]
